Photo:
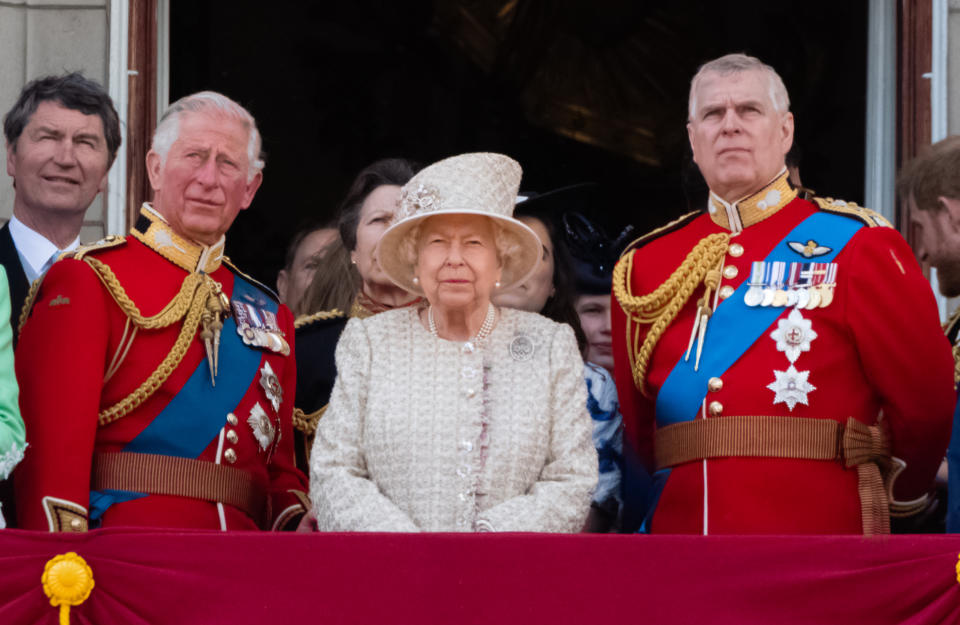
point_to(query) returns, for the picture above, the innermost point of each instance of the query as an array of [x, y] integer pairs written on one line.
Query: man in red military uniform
[[157, 380], [778, 359]]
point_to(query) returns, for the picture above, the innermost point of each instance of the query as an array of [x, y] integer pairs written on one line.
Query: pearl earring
[[496, 284], [416, 280]]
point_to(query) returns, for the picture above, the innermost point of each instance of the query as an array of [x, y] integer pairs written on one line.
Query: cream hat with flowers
[[481, 183]]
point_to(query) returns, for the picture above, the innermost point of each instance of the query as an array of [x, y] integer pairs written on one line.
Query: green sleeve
[[12, 435]]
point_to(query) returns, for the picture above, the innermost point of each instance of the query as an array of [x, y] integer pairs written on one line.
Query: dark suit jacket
[[16, 278]]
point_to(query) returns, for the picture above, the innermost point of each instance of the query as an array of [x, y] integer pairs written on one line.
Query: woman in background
[[551, 291], [348, 283]]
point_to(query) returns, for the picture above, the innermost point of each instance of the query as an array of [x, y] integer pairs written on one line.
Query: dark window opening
[[575, 90]]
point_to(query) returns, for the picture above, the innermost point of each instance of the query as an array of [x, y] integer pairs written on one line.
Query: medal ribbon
[[794, 275], [779, 270], [831, 277], [819, 273], [757, 273], [735, 326]]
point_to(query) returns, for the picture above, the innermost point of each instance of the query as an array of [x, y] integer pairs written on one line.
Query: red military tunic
[[878, 347], [80, 353]]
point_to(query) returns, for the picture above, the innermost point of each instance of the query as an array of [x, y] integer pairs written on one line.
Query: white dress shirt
[[36, 252]]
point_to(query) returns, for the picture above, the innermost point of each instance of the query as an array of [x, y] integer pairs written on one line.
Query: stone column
[[42, 37]]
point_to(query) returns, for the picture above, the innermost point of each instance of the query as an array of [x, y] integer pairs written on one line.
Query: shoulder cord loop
[[189, 305], [659, 308]]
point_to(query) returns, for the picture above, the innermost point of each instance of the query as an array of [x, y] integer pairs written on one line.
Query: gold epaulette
[[107, 242], [113, 240], [868, 216], [661, 231], [323, 315], [263, 287]]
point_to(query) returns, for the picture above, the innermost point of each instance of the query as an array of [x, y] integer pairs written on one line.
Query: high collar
[[152, 230], [753, 208]]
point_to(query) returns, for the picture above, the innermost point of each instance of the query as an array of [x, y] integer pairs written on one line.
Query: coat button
[[715, 409], [730, 272], [714, 384], [232, 436], [726, 291], [232, 419], [231, 455], [736, 250], [470, 393]]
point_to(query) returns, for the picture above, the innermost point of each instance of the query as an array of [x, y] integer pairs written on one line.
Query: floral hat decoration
[[481, 183]]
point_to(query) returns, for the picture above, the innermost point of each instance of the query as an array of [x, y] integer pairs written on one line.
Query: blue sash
[[734, 326], [195, 416], [953, 479]]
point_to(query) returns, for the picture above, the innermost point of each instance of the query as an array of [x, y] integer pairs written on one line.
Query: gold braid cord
[[28, 304], [948, 328], [323, 315], [307, 422], [659, 308], [188, 305], [956, 364]]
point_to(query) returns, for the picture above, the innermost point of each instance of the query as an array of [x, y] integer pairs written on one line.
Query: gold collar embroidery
[[152, 230], [755, 207]]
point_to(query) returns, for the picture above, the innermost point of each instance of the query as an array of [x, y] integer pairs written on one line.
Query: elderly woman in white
[[457, 416]]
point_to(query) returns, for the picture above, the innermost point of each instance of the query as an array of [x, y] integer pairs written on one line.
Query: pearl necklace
[[485, 329]]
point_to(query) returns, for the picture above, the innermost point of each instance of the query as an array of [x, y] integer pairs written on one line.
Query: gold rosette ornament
[[67, 580]]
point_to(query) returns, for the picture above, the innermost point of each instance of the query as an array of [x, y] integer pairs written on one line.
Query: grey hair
[[736, 64], [505, 242], [168, 129]]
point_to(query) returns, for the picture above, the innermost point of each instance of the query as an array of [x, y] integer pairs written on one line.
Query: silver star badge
[[271, 386], [793, 335], [261, 425], [791, 387]]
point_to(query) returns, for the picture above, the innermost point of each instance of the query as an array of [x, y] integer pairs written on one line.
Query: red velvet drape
[[198, 577]]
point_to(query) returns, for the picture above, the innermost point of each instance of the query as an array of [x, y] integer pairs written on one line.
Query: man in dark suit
[[62, 136]]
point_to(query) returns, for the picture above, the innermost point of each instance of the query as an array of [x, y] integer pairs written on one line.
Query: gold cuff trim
[[64, 515]]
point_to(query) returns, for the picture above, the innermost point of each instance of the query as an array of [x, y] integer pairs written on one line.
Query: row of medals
[[805, 297]]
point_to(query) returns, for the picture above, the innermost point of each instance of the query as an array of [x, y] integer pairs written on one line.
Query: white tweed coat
[[424, 434]]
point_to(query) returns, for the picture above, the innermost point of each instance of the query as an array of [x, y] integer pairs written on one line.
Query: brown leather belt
[[182, 477], [866, 447]]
